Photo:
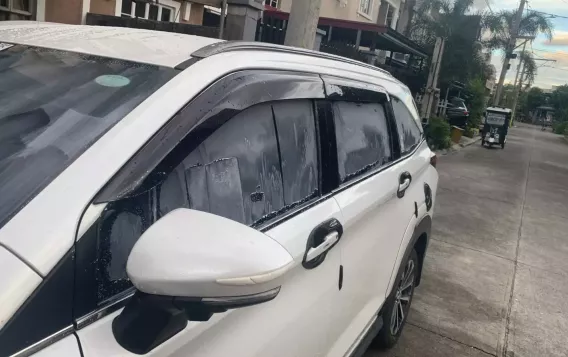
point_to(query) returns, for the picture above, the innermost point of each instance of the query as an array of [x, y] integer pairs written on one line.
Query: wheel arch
[[419, 242]]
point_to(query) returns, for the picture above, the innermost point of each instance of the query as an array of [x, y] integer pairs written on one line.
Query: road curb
[[457, 147]]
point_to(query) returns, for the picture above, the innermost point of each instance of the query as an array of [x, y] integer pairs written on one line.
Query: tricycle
[[495, 126]]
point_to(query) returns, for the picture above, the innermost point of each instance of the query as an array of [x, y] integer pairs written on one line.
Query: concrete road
[[496, 273]]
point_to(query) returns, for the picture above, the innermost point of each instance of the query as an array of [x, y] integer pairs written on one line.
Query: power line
[[552, 15]]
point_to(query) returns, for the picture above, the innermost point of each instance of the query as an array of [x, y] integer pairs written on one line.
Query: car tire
[[398, 301]]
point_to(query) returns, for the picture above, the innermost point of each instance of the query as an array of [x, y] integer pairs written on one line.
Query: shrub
[[560, 128], [471, 130], [438, 134]]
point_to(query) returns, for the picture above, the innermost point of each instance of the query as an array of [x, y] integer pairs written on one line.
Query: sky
[[549, 74]]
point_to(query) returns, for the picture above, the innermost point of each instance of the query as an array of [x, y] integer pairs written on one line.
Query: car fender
[[414, 231]]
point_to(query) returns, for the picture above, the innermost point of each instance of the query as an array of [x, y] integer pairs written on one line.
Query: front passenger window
[[257, 165], [361, 132], [234, 173]]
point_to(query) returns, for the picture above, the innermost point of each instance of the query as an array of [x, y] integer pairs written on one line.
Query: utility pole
[[432, 84], [303, 23], [520, 86], [520, 64], [509, 51]]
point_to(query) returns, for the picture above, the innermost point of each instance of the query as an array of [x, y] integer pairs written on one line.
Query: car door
[[274, 144], [369, 195]]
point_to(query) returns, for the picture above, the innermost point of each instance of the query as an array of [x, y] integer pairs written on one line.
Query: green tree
[[463, 58], [559, 100], [533, 99], [476, 101]]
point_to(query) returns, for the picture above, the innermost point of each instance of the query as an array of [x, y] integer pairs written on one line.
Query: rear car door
[[369, 197], [264, 122]]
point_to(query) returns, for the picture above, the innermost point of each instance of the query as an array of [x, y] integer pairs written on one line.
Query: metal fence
[[270, 29], [107, 20]]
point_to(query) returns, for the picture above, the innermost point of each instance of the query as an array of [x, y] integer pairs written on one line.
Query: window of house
[[143, 10], [16, 9], [153, 13], [273, 3], [257, 165], [166, 14], [362, 137], [408, 130], [365, 6]]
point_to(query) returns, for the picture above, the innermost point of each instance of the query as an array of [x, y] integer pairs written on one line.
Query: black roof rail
[[231, 46]]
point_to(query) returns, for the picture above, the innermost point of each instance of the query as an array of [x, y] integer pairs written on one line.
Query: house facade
[[380, 12], [75, 11]]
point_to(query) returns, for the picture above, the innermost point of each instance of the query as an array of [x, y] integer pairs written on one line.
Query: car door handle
[[327, 243], [321, 240], [403, 183]]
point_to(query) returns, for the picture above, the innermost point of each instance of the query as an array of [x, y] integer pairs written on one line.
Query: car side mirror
[[188, 266]]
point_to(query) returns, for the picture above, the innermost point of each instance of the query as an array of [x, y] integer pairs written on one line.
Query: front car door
[[274, 144]]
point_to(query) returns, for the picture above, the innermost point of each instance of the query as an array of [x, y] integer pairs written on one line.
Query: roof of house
[[145, 46]]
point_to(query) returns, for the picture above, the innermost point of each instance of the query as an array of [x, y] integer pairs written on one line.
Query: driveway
[[496, 272]]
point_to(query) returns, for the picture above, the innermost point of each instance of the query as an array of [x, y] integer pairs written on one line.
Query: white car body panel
[[67, 347], [17, 282], [138, 45], [306, 303], [372, 233]]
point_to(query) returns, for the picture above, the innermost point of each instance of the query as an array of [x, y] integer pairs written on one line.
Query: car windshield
[[53, 106]]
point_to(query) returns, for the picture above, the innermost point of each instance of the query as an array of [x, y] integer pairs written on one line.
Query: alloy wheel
[[402, 298]]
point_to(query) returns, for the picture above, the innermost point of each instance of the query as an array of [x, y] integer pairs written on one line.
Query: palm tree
[[500, 24], [530, 68]]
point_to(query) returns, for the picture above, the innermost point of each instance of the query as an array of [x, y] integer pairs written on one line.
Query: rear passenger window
[[409, 133], [363, 142]]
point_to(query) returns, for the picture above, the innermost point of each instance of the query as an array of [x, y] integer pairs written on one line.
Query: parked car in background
[[168, 195], [457, 112]]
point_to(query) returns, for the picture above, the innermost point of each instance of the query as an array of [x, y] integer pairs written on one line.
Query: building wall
[[191, 13], [103, 7], [64, 11], [74, 11], [340, 9]]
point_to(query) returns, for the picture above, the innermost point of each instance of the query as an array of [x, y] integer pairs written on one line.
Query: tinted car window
[[363, 141], [235, 172], [408, 131], [53, 106], [298, 147]]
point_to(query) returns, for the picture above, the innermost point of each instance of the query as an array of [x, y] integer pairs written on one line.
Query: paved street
[[496, 273]]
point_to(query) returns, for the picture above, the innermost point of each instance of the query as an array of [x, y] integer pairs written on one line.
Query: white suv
[[173, 195]]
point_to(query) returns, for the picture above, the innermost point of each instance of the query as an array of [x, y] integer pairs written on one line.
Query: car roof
[[499, 109], [146, 46]]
